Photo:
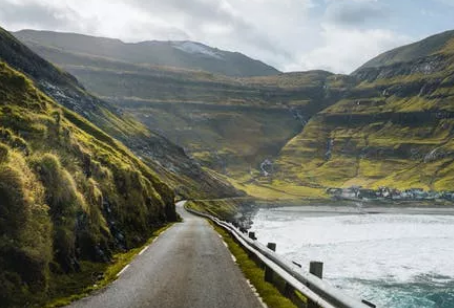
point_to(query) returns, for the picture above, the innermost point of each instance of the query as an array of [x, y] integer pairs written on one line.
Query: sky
[[292, 35]]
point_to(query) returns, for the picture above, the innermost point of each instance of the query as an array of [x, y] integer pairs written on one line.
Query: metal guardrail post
[[316, 269], [252, 235], [269, 271]]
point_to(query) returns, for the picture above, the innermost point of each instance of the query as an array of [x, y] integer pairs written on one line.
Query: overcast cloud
[[335, 35]]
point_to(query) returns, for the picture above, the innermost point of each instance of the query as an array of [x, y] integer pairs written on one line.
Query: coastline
[[354, 210]]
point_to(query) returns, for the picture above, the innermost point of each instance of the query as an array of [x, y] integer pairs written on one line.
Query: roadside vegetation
[[96, 276], [270, 295], [71, 197]]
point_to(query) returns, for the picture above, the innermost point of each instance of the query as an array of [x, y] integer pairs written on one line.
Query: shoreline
[[370, 210]]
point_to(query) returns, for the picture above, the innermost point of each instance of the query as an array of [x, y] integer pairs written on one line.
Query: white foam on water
[[393, 260]]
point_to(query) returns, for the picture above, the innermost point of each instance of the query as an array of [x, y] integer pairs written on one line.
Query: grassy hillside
[[70, 194], [424, 48], [184, 54], [394, 129], [229, 125], [165, 158], [292, 135]]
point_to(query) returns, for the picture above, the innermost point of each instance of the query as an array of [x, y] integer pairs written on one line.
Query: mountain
[[184, 54], [421, 49], [293, 135], [168, 160], [229, 124], [69, 193], [395, 128]]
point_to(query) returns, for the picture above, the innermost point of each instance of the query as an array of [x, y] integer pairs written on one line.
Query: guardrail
[[317, 291]]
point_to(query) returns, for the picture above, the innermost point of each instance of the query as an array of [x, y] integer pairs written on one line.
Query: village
[[385, 193]]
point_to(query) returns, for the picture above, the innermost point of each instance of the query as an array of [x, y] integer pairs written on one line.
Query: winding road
[[187, 266]]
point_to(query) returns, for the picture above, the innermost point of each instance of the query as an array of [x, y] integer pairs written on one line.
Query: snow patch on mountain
[[197, 48]]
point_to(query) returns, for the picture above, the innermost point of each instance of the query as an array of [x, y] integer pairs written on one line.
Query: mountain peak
[[179, 54]]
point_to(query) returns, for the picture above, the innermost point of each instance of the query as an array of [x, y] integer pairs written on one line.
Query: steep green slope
[[230, 125], [394, 129], [164, 157], [424, 48], [69, 194], [184, 54]]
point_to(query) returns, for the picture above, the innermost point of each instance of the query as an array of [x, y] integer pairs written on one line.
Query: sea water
[[392, 260]]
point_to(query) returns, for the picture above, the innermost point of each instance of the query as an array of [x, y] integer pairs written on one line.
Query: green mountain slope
[[429, 46], [185, 54], [395, 128], [294, 134], [69, 194], [164, 157], [229, 124]]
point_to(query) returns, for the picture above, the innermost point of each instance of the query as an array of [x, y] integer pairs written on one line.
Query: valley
[[91, 165], [314, 130]]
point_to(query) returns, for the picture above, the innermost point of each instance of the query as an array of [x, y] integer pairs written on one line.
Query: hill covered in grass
[[70, 194], [164, 157], [228, 124], [293, 135], [395, 128]]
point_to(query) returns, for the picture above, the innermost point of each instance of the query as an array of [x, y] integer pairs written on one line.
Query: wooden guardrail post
[[269, 271], [316, 269]]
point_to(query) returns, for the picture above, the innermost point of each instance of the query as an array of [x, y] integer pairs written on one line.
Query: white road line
[[143, 250], [123, 270], [225, 244], [233, 258], [254, 290]]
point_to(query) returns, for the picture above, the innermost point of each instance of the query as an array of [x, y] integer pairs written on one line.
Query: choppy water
[[392, 260]]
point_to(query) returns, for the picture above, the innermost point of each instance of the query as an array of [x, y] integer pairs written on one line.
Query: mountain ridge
[[394, 128], [295, 143], [162, 53]]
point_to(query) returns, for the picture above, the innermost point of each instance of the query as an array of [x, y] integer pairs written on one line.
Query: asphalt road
[[187, 266]]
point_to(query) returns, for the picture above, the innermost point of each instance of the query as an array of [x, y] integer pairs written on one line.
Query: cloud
[[231, 20], [356, 12], [337, 35], [345, 49], [35, 14]]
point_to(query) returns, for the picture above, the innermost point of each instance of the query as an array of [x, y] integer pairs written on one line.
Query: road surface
[[187, 266]]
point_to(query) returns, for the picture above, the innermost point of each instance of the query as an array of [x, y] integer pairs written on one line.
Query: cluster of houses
[[386, 193]]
